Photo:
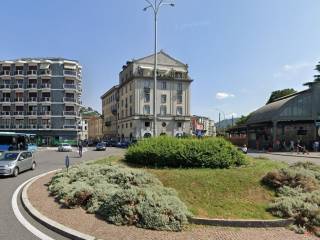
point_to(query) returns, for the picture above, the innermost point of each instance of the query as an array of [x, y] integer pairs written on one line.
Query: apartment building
[[202, 126], [94, 125], [110, 112], [41, 96], [132, 111]]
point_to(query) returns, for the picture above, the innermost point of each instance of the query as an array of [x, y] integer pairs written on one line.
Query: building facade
[[110, 101], [132, 113], [294, 118], [41, 96], [202, 126]]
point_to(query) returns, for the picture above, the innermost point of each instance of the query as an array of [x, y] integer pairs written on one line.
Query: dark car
[[101, 146], [123, 144], [113, 143]]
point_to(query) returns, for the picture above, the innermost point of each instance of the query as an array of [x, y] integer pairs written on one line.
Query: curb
[[242, 223], [73, 234], [292, 155], [52, 225]]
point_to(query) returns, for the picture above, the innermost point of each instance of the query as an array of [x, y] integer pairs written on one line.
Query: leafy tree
[[242, 120], [280, 93]]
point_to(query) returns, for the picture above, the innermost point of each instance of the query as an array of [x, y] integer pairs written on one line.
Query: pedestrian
[[80, 146], [291, 145], [316, 146]]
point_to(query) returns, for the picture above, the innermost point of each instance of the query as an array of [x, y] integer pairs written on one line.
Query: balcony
[[5, 113], [70, 99], [32, 126], [70, 113], [44, 126], [18, 86], [45, 113], [5, 100], [32, 99], [5, 73], [32, 72], [70, 73], [32, 86], [19, 73], [5, 86], [45, 86], [5, 126], [18, 114], [70, 86], [45, 72], [45, 99], [19, 126], [19, 99], [70, 127], [32, 113]]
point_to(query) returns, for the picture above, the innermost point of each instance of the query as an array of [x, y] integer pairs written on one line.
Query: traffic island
[[77, 224]]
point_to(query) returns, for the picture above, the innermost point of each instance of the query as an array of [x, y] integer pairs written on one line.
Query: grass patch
[[223, 193], [105, 160]]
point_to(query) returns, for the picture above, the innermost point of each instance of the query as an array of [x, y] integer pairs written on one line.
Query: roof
[[269, 111], [55, 59], [109, 91], [163, 59]]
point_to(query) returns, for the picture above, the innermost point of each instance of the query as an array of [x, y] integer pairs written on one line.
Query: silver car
[[64, 147], [14, 162]]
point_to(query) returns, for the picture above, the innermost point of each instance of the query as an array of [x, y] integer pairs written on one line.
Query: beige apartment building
[[94, 126], [131, 111]]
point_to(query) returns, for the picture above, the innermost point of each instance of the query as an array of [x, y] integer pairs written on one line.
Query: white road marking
[[21, 218]]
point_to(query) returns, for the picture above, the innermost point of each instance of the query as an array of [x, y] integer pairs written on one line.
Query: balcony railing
[[19, 85], [18, 113], [32, 72], [19, 126], [44, 126], [70, 126], [32, 113], [19, 72], [70, 113], [32, 85], [45, 113], [70, 73], [45, 99], [46, 72], [45, 85], [69, 99], [32, 126], [5, 73], [5, 113], [5, 86], [5, 99], [5, 126], [19, 99], [69, 86], [32, 99]]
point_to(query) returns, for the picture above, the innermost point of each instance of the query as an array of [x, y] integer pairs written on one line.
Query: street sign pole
[[67, 162]]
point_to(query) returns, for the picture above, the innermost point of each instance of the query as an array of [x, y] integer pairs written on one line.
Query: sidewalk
[[295, 154]]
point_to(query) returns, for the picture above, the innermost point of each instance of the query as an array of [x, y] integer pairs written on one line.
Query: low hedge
[[298, 195], [186, 153], [121, 196]]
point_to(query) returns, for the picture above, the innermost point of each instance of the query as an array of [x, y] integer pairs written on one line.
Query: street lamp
[[155, 5]]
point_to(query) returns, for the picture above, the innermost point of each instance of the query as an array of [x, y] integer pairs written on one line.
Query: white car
[[65, 147]]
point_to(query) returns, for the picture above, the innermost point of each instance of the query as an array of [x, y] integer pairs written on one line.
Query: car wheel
[[15, 172], [33, 167]]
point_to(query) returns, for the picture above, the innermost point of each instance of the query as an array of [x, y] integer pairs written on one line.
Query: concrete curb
[[54, 226], [293, 155], [242, 223]]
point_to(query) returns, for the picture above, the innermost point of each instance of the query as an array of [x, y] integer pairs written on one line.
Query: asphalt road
[[10, 227]]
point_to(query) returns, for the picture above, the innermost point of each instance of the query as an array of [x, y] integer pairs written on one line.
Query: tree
[[242, 120], [280, 93]]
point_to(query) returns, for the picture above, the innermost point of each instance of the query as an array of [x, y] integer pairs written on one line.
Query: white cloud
[[224, 95], [293, 69]]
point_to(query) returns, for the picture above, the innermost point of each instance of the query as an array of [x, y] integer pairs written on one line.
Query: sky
[[238, 52]]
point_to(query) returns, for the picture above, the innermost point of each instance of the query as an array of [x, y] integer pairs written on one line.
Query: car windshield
[[9, 156]]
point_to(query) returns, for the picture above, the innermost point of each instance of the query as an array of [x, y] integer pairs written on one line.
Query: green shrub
[[298, 195], [195, 153], [120, 195]]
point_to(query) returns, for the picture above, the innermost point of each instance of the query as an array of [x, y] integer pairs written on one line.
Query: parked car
[[101, 146], [13, 163], [64, 147], [123, 144], [113, 143]]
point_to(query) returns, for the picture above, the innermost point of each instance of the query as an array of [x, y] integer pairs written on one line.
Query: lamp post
[[155, 5]]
